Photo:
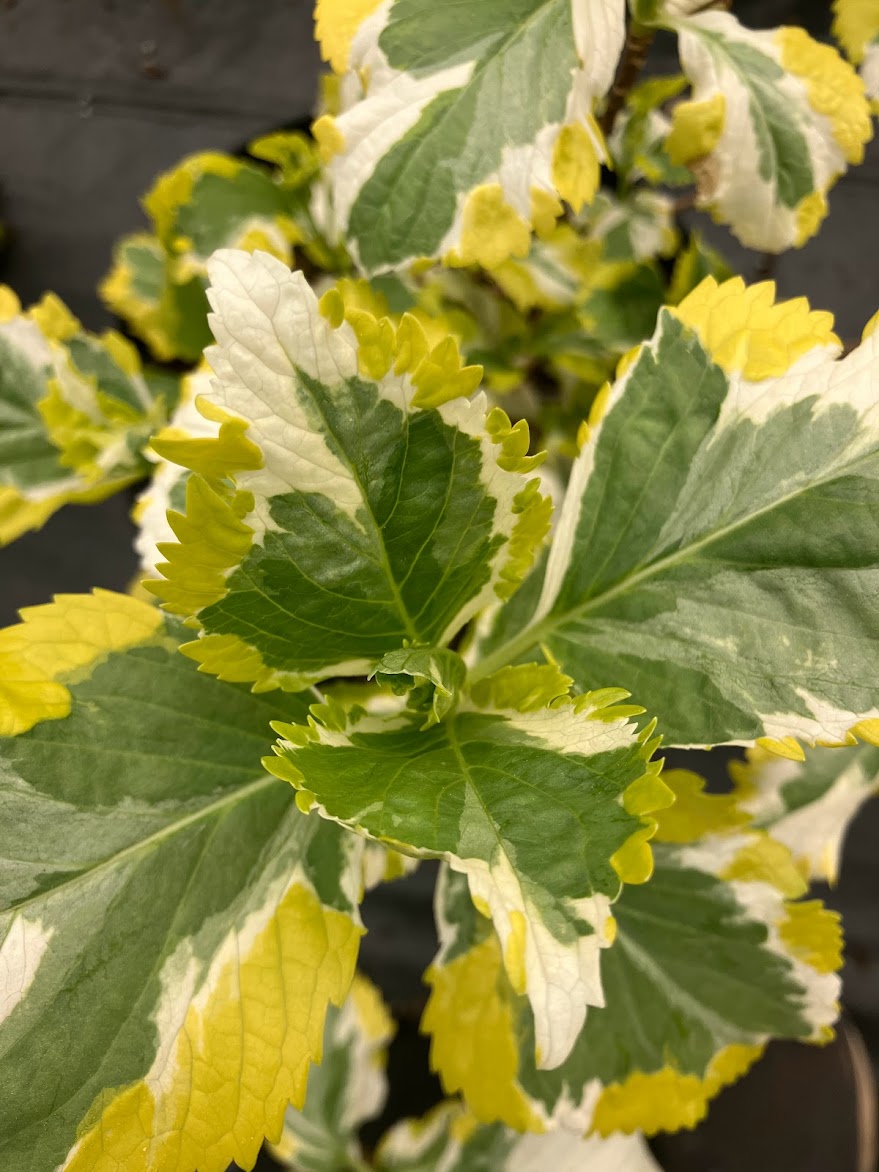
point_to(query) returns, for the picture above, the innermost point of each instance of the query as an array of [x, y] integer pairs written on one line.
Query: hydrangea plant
[[375, 627]]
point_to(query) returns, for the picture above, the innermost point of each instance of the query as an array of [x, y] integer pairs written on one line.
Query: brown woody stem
[[638, 41]]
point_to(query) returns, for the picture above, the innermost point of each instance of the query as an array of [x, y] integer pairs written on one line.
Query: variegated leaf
[[518, 766], [383, 864], [577, 264], [773, 121], [167, 489], [211, 201], [449, 1139], [434, 674], [637, 144], [348, 1088], [856, 27], [354, 498], [464, 125], [710, 960], [717, 553], [169, 316], [635, 228], [76, 411], [157, 282], [171, 927], [809, 804]]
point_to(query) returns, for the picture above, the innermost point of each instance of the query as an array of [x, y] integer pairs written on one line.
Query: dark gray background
[[98, 96]]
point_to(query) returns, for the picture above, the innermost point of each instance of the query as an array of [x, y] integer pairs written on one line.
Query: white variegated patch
[[151, 508], [826, 724], [739, 177], [385, 104], [820, 992], [565, 1151], [561, 978], [391, 107], [555, 728], [21, 951], [813, 831], [457, 1143], [268, 327]]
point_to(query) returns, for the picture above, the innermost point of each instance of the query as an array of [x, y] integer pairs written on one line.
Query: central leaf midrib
[[385, 564], [545, 627], [236, 794]]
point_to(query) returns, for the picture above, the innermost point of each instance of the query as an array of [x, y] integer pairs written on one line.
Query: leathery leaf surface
[[354, 499], [172, 927], [540, 799], [717, 553], [464, 125], [711, 958], [773, 120]]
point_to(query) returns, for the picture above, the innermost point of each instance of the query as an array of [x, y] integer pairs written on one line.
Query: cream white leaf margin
[[773, 121], [464, 125]]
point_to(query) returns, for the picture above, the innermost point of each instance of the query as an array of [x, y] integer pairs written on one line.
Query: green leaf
[[637, 145], [638, 227], [451, 1139], [808, 805], [717, 553], [169, 316], [774, 119], [540, 799], [476, 122], [353, 500], [348, 1088], [76, 411], [438, 671], [710, 960], [172, 928], [211, 201]]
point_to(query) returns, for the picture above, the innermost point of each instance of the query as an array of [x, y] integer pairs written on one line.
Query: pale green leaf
[[774, 119], [171, 927], [539, 799], [717, 553], [354, 499], [636, 227], [463, 124]]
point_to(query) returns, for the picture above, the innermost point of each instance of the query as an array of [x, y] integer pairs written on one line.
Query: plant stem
[[638, 40], [765, 269]]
